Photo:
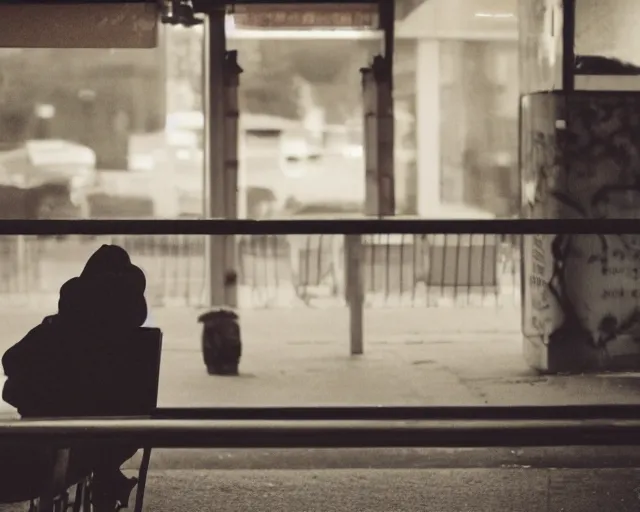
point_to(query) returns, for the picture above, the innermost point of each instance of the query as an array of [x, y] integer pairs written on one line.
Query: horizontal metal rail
[[203, 4], [200, 3], [318, 227], [405, 413], [322, 434]]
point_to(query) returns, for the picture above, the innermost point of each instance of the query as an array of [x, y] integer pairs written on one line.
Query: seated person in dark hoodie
[[58, 369]]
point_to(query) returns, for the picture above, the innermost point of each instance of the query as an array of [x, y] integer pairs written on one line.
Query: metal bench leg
[[48, 502], [61, 502], [80, 496], [142, 478], [86, 495]]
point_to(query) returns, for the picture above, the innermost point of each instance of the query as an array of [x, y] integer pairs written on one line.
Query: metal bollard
[[221, 342]]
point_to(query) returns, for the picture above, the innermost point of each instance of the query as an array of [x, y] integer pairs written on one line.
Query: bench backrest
[[143, 368], [118, 377]]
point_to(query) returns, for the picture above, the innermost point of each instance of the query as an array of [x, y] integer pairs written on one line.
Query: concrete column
[[428, 127], [581, 293], [580, 159]]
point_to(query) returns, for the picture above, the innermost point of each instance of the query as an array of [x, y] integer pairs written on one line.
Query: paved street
[[397, 490], [404, 490]]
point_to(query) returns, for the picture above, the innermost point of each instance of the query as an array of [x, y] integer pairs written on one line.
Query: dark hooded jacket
[[64, 366]]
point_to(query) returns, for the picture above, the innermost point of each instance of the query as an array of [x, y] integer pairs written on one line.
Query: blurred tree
[[18, 100], [121, 83], [268, 84], [272, 69]]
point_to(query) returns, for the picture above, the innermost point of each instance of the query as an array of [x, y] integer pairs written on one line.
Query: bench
[[455, 261], [139, 372]]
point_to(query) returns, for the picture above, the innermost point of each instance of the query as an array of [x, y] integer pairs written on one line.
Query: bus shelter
[[596, 123]]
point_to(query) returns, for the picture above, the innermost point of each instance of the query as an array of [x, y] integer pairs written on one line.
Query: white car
[[46, 179]]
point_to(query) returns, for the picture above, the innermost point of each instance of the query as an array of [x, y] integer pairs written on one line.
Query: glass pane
[[96, 135], [541, 25], [478, 128], [457, 109], [427, 342], [443, 312], [302, 112], [442, 323]]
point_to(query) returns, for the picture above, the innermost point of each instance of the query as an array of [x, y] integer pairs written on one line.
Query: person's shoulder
[[32, 344], [46, 327]]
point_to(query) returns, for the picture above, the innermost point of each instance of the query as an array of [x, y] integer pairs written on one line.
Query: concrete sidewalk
[[412, 357]]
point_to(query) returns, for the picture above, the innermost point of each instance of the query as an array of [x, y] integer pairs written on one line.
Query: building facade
[[465, 100]]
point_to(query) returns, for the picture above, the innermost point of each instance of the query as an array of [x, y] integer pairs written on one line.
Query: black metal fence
[[408, 270]]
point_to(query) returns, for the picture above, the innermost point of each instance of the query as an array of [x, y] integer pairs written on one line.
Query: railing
[[399, 270], [361, 227], [407, 270], [467, 427], [410, 269]]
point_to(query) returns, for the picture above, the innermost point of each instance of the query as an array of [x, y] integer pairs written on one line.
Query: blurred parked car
[[44, 179], [269, 151]]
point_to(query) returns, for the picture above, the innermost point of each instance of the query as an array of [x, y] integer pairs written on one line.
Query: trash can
[[221, 342]]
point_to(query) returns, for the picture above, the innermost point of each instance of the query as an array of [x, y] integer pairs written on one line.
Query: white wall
[[428, 127], [462, 19]]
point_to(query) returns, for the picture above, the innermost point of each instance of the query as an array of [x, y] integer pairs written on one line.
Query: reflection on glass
[[277, 276], [140, 114], [479, 125], [70, 131], [608, 29], [137, 115]]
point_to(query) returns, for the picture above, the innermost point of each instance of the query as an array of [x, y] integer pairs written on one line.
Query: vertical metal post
[[215, 48], [370, 111], [57, 479], [568, 45], [231, 83], [355, 292], [23, 265], [379, 139], [163, 61], [387, 16], [353, 243], [379, 118], [385, 139], [383, 71]]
